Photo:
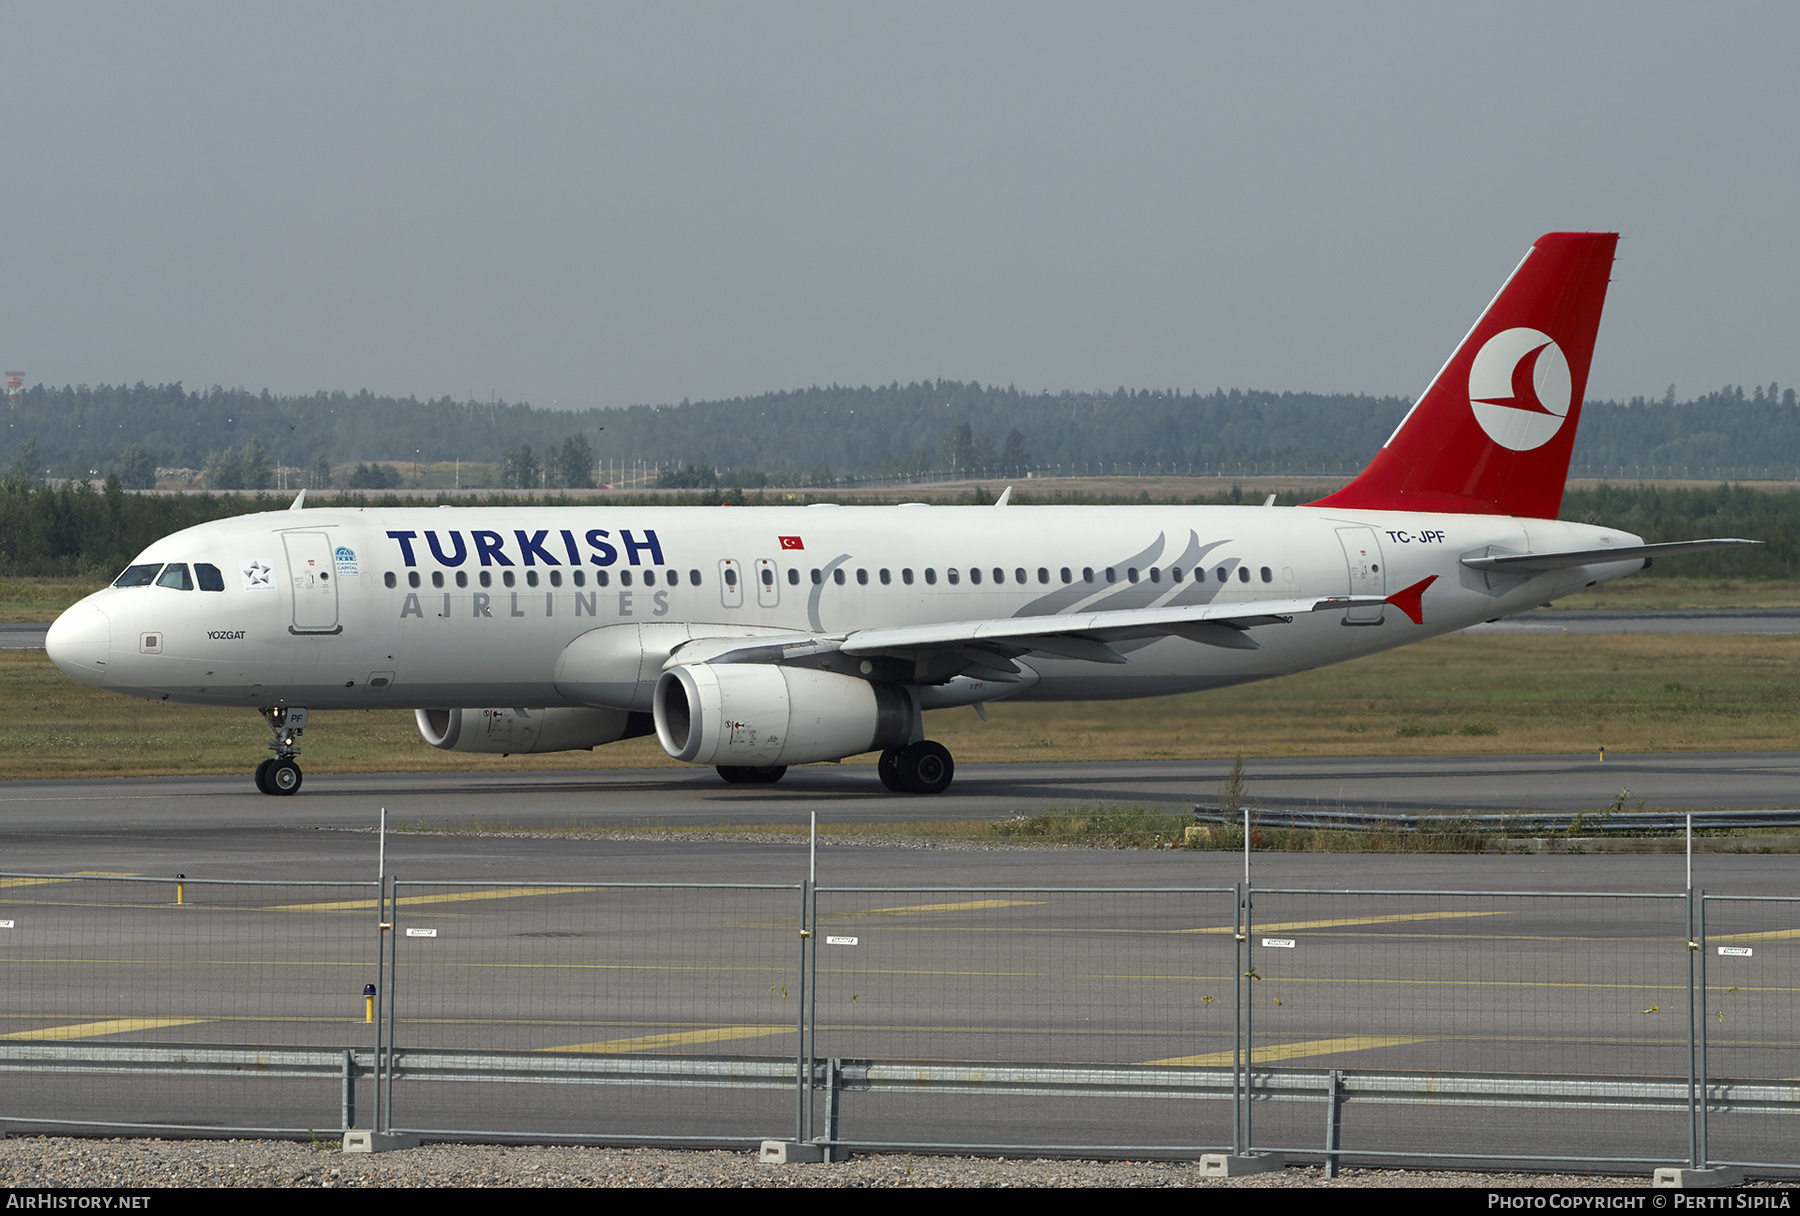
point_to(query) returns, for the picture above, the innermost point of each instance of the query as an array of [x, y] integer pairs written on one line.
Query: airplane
[[756, 639]]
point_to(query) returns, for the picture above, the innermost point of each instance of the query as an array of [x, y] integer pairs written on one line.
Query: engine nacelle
[[759, 714], [522, 731]]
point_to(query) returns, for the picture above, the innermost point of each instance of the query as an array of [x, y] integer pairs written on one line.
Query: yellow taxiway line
[[88, 1030], [1294, 1051], [650, 1042]]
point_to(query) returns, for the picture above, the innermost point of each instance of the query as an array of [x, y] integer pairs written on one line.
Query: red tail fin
[[1492, 433]]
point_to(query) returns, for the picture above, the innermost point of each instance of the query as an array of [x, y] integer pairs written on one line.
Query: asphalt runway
[[58, 825], [1080, 956], [989, 955]]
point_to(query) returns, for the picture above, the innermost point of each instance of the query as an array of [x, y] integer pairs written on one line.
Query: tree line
[[786, 438]]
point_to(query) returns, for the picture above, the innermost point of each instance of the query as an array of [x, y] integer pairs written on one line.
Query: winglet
[[1005, 497], [1407, 601], [299, 500]]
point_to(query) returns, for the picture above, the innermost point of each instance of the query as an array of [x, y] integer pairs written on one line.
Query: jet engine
[[760, 714], [521, 731]]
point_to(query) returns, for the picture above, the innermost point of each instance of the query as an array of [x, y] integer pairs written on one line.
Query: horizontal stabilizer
[[1596, 557]]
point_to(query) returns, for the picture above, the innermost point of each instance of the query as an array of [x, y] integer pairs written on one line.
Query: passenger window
[[672, 577], [793, 576], [210, 579], [1221, 573], [625, 579], [1087, 574], [1111, 575], [1268, 575], [1044, 575], [730, 578], [138, 576], [768, 577], [952, 575], [601, 578], [462, 578], [556, 578], [975, 575], [507, 578], [1067, 577], [578, 577], [694, 577], [390, 580], [886, 578], [1175, 573], [930, 577], [906, 575], [649, 578], [437, 578], [175, 575], [817, 577], [1131, 574], [1243, 574], [1000, 576], [1155, 575], [412, 578], [487, 578], [862, 578]]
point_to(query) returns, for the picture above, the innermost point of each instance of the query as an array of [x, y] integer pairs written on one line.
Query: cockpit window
[[175, 575], [138, 576], [208, 576]]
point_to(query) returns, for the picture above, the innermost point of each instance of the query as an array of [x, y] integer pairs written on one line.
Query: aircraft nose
[[79, 642]]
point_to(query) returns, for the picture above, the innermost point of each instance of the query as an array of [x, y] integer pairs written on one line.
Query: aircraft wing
[[1591, 557], [936, 653], [1084, 635]]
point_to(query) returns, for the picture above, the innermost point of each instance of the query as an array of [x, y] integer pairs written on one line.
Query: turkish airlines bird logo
[[1519, 388]]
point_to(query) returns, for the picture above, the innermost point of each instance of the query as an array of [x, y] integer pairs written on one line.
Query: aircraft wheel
[[262, 776], [283, 777], [768, 774], [733, 773], [926, 767], [888, 769]]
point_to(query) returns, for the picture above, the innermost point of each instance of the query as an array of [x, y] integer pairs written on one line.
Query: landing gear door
[[313, 576], [1363, 553]]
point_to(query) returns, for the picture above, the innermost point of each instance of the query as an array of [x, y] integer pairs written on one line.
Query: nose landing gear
[[281, 774]]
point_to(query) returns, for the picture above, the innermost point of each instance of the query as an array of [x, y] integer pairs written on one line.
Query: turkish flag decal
[[790, 542]]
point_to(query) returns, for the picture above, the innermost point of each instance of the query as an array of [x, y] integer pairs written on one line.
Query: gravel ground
[[63, 1162]]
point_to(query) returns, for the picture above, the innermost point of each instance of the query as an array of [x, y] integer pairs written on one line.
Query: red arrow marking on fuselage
[[1407, 601]]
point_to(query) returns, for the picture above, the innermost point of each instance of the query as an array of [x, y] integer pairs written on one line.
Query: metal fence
[[1622, 1029]]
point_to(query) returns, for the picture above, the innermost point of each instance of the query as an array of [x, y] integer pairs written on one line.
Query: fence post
[[381, 920], [1692, 1052], [1700, 942], [834, 1082], [1334, 1119], [349, 1100], [1237, 1021], [802, 1065], [393, 984]]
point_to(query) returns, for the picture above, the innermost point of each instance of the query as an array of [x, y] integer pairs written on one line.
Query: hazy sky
[[603, 204]]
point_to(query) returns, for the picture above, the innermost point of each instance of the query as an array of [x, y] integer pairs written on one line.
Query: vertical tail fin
[[1492, 433]]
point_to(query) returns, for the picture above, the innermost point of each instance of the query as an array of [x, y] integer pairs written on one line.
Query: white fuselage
[[319, 607]]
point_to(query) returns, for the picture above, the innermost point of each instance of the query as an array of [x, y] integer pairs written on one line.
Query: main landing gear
[[919, 768], [280, 774]]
